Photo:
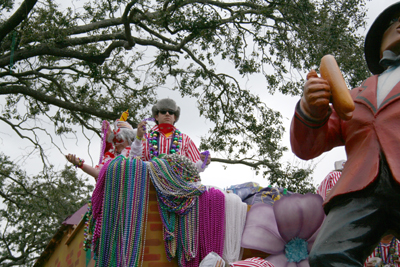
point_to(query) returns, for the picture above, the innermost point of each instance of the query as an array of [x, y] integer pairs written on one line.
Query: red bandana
[[166, 128]]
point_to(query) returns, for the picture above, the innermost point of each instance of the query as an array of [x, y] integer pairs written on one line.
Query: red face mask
[[166, 128], [115, 139]]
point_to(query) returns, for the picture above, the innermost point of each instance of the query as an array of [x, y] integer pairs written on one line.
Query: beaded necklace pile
[[235, 219], [211, 225], [175, 178], [124, 214], [97, 206], [119, 209]]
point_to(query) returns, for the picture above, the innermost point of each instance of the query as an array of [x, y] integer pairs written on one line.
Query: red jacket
[[369, 132]]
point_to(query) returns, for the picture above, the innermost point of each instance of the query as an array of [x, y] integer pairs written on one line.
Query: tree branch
[[244, 162], [17, 89], [60, 52], [19, 15]]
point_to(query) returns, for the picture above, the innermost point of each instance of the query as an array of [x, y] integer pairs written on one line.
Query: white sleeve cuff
[[198, 166], [136, 148]]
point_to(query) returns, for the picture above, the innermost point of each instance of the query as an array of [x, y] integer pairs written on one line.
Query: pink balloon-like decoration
[[286, 230]]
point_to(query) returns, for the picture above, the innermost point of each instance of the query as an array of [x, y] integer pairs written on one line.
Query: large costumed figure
[[364, 205], [387, 251]]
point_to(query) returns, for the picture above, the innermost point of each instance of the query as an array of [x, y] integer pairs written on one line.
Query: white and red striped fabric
[[385, 251], [188, 148], [252, 262], [328, 182]]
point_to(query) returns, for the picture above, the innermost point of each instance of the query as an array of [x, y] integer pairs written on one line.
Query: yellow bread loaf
[[341, 98]]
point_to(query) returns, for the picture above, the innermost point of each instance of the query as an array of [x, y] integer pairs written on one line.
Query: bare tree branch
[[57, 102], [19, 15]]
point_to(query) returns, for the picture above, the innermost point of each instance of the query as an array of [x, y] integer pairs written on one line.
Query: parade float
[[158, 213]]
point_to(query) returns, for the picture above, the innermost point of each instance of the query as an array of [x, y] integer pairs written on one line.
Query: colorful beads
[[154, 146], [80, 163], [124, 215], [122, 194], [173, 176]]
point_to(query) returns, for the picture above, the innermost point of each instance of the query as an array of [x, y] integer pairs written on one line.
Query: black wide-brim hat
[[373, 40]]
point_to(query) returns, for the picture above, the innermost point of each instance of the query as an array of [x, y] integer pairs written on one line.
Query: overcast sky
[[324, 163], [195, 127]]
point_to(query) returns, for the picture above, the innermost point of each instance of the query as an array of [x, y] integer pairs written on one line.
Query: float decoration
[[286, 230]]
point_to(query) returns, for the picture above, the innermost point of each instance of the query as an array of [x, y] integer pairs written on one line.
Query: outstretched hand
[[316, 96], [72, 158]]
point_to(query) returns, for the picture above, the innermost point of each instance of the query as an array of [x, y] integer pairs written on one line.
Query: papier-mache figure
[[364, 205], [387, 251]]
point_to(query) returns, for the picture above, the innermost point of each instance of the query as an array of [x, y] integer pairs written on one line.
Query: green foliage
[[74, 67], [293, 178], [78, 61], [94, 62], [33, 209]]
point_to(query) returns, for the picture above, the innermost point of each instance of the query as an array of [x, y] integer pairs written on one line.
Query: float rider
[[165, 138]]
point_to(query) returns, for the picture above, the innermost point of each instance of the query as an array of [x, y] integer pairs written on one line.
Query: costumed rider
[[364, 205], [117, 142], [330, 180], [165, 138], [386, 253]]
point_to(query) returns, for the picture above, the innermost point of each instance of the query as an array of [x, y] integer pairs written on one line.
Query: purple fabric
[[268, 228], [98, 193], [104, 128], [76, 217], [207, 154]]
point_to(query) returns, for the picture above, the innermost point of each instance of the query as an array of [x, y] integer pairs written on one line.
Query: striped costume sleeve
[[252, 262], [189, 149], [328, 183]]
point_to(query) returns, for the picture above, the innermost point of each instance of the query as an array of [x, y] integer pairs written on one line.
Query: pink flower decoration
[[286, 230]]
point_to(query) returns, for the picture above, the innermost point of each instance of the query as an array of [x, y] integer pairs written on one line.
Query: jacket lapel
[[366, 94]]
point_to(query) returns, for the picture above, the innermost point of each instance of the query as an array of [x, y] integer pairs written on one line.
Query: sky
[[217, 174], [285, 104]]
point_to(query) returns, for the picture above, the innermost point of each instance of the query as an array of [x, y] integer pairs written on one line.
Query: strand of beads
[[211, 225], [97, 205], [124, 213], [154, 143], [392, 254], [88, 231], [174, 178], [235, 219]]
